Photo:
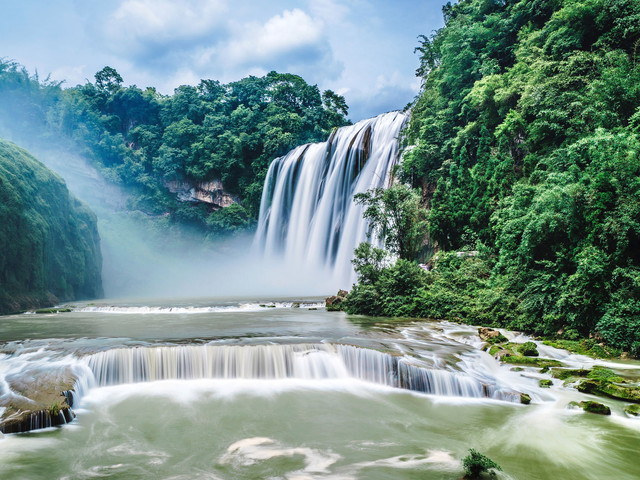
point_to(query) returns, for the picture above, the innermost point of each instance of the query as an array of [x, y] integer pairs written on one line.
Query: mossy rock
[[603, 388], [528, 349], [517, 369], [633, 410], [566, 373], [545, 383], [595, 407], [544, 369], [497, 339], [525, 399], [493, 350], [532, 361], [604, 375]]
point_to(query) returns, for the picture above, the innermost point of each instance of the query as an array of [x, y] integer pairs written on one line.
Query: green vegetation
[[49, 245], [587, 346], [475, 464], [633, 410], [148, 141], [528, 349], [595, 407], [525, 143], [545, 383]]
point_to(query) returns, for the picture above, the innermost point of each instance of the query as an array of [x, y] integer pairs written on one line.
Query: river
[[248, 389]]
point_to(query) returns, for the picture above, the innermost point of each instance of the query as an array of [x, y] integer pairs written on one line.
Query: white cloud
[[281, 36], [141, 26]]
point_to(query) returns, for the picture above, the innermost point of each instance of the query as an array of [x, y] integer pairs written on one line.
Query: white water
[[292, 393], [298, 361], [307, 214]]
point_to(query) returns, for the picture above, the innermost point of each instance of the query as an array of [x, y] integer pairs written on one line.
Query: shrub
[[475, 464]]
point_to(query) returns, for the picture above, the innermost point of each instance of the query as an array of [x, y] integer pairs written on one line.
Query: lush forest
[[49, 244], [145, 140], [524, 145]]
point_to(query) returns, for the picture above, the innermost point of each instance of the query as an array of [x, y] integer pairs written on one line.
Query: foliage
[[525, 141], [475, 464], [397, 215], [49, 244], [145, 140]]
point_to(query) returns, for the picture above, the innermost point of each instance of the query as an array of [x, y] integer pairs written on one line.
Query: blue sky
[[362, 49]]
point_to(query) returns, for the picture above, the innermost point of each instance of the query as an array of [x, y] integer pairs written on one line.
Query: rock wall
[[211, 192]]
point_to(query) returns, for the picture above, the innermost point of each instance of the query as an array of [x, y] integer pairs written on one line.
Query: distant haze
[[362, 49]]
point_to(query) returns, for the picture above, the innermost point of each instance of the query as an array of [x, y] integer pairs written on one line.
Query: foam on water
[[244, 307]]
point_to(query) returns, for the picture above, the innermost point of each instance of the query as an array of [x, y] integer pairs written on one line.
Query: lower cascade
[[307, 213], [302, 361]]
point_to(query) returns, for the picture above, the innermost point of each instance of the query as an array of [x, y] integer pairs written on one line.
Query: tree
[[397, 216], [108, 79]]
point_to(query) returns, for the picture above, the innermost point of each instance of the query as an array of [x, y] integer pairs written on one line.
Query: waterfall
[[307, 213], [301, 361]]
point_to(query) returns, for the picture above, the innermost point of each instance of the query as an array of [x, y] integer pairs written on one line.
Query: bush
[[475, 464]]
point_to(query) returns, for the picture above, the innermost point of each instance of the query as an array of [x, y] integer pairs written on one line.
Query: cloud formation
[[362, 49], [143, 27]]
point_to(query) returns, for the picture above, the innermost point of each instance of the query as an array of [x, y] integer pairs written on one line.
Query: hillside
[[525, 145], [49, 244]]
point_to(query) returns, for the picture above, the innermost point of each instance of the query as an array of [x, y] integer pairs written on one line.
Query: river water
[[251, 389]]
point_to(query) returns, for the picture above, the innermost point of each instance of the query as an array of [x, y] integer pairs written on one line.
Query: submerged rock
[[595, 407], [632, 410], [37, 399]]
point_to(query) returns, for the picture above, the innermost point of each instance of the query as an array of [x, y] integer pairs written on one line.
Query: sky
[[362, 49]]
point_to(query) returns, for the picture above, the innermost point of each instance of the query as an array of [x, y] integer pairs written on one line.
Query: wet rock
[[490, 335], [334, 302], [566, 373], [595, 407], [525, 399], [528, 349], [604, 382], [632, 410], [545, 383], [37, 399]]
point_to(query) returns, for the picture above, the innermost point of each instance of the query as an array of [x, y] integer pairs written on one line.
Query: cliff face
[[212, 193], [49, 243]]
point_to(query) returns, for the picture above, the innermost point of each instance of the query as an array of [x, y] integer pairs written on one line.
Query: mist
[[140, 258]]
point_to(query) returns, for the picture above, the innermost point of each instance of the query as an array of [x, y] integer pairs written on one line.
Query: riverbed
[[255, 388]]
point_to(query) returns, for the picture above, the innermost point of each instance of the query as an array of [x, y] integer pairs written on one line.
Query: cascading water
[[268, 362], [307, 214]]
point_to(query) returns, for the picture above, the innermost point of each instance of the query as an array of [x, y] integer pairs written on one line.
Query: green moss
[[494, 349], [545, 383], [528, 349], [633, 410], [533, 361], [497, 339], [566, 373], [600, 387], [525, 399], [595, 407], [604, 375], [587, 347]]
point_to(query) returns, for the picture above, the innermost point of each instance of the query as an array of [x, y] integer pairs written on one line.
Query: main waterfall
[[307, 214]]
